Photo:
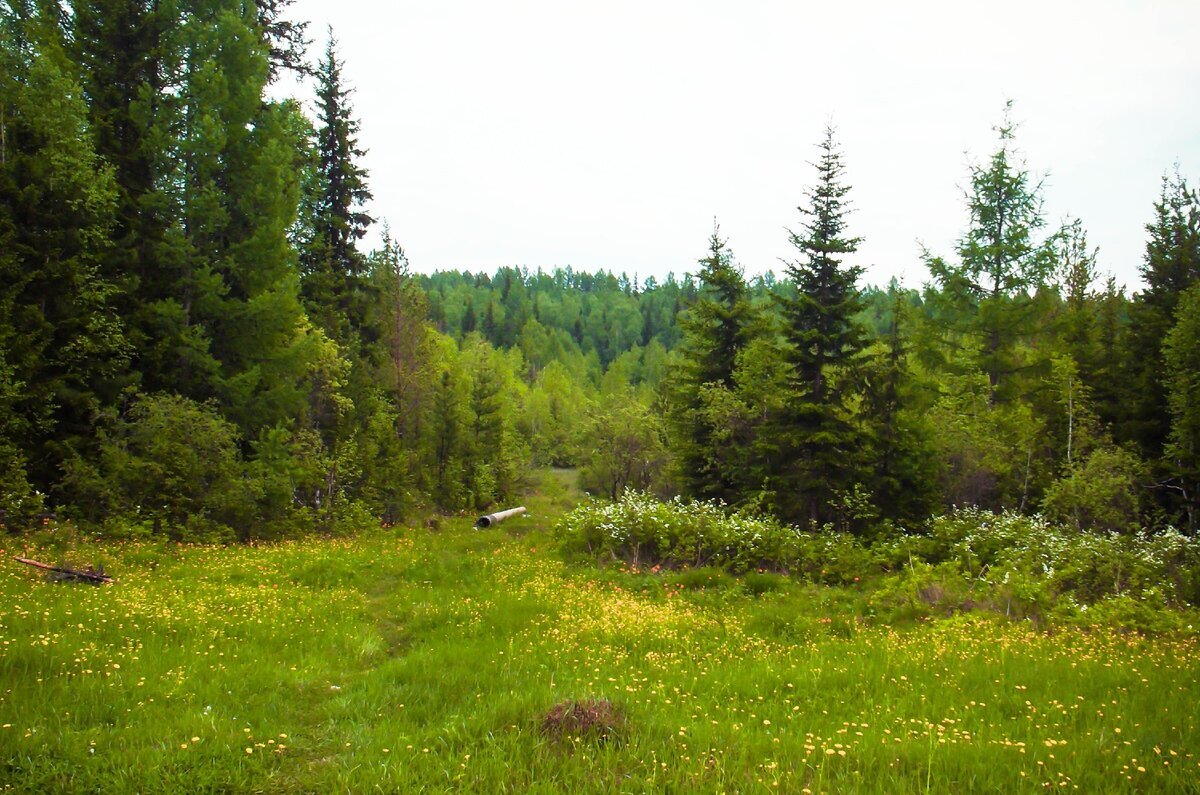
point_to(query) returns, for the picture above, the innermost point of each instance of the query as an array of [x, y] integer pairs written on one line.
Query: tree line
[[1016, 379], [195, 342]]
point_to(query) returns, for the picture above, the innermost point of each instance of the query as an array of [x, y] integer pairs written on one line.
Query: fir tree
[[1171, 266], [1182, 355], [63, 349], [817, 442], [715, 329], [334, 269]]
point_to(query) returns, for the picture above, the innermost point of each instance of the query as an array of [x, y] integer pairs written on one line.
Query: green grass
[[421, 660]]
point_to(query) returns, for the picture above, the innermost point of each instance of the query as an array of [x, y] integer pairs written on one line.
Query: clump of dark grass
[[595, 719]]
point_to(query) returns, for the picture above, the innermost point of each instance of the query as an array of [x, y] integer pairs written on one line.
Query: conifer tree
[[1182, 355], [63, 349], [901, 477], [1001, 265], [237, 193], [1171, 266], [335, 289], [817, 444], [715, 329]]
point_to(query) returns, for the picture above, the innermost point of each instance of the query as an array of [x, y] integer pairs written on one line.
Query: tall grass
[[418, 660]]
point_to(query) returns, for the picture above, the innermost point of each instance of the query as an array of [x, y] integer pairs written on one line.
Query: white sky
[[609, 134]]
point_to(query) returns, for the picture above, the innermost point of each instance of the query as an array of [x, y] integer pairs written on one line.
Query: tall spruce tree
[[715, 329], [335, 287], [1170, 267], [817, 443], [1182, 358], [225, 319]]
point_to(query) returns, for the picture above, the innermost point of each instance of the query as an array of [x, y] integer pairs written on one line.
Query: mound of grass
[[593, 719]]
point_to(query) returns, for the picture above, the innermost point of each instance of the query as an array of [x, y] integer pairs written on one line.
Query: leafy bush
[[1092, 566], [1101, 493], [1024, 567], [20, 504], [642, 529], [171, 463]]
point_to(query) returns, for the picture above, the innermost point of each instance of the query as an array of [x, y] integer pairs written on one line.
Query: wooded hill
[[194, 342]]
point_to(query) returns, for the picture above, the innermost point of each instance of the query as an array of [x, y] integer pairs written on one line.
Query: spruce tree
[[715, 329], [238, 195], [817, 444], [335, 288], [901, 476], [63, 349], [1171, 266], [1182, 358]]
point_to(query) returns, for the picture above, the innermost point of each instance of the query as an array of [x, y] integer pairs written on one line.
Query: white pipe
[[499, 516]]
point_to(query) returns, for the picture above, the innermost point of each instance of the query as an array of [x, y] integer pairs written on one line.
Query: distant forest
[[196, 344]]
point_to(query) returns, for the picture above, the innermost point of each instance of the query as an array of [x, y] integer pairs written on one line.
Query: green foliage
[[704, 409], [169, 229], [1170, 268], [61, 341], [1182, 353], [1101, 492], [816, 437], [172, 463], [336, 292], [622, 446], [989, 294], [971, 560]]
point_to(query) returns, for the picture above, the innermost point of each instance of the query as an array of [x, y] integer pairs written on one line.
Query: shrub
[[20, 504], [1021, 566], [1099, 494], [172, 463]]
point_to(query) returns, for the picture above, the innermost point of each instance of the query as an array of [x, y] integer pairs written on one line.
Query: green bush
[[171, 464], [1023, 567]]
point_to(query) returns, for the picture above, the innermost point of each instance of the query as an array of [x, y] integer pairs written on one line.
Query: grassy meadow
[[425, 659]]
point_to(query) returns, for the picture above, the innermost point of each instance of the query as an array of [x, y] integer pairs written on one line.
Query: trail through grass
[[423, 660]]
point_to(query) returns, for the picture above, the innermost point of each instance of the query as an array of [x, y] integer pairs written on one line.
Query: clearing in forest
[[435, 660]]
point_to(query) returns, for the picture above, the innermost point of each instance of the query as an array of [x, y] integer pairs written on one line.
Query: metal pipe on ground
[[499, 516]]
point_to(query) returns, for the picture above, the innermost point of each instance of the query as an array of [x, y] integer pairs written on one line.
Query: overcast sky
[[609, 134]]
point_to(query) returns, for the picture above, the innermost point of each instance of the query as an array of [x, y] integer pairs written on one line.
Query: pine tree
[[817, 441]]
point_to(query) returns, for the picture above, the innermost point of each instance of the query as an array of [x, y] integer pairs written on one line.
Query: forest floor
[[429, 659]]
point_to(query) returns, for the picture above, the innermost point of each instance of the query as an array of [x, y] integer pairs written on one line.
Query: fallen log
[[499, 516], [93, 575]]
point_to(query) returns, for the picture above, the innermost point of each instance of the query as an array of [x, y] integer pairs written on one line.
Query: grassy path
[[423, 660]]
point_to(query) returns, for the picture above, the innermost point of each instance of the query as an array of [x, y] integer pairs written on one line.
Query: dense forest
[[195, 342]]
